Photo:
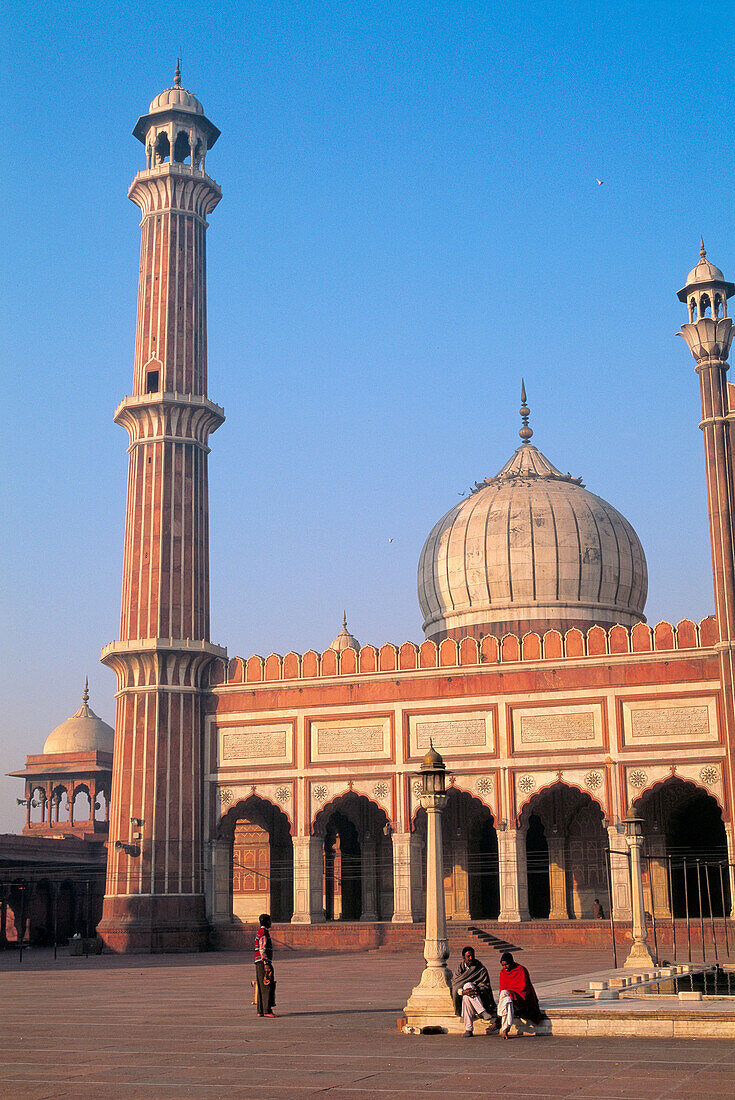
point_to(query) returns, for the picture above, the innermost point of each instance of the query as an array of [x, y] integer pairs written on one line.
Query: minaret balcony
[[169, 417], [708, 338]]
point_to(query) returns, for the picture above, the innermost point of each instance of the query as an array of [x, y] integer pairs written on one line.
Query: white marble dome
[[178, 98], [344, 639], [83, 732], [530, 549]]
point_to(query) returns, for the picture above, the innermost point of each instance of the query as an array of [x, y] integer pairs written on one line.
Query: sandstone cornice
[[169, 417], [174, 664], [174, 189]]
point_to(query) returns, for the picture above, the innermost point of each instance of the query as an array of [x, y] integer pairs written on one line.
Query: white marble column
[[308, 875], [619, 868], [369, 880], [513, 875], [407, 850], [640, 952], [431, 999], [730, 876]]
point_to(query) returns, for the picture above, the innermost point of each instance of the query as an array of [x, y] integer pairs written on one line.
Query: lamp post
[[431, 1000], [640, 952]]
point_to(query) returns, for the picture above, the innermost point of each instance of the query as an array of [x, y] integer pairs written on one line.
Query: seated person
[[517, 995], [472, 992]]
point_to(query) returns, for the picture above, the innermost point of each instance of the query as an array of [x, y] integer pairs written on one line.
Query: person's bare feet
[[504, 1033], [270, 1015]]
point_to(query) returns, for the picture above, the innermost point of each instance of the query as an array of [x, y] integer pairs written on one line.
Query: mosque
[[288, 783]]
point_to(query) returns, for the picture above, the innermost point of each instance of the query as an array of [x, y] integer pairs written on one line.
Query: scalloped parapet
[[468, 652]]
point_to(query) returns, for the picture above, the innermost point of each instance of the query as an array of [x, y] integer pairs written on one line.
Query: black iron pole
[[608, 871], [22, 922], [701, 910], [711, 914], [56, 914], [724, 913], [671, 908], [686, 906]]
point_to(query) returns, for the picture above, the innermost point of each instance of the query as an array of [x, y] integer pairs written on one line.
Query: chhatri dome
[[83, 732], [176, 96], [530, 549], [344, 639]]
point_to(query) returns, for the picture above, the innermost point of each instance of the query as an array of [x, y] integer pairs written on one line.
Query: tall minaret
[[709, 334], [155, 895]]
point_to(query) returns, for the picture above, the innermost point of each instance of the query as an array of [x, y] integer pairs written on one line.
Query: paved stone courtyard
[[175, 1027]]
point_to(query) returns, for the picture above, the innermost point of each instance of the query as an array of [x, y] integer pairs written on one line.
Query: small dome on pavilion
[[176, 97], [704, 274], [344, 639], [432, 760], [83, 732]]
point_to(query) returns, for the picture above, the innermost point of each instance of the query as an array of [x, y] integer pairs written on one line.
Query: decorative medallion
[[709, 775], [484, 784], [418, 788], [283, 794], [380, 790], [320, 793], [526, 784], [226, 795], [593, 780], [638, 778]]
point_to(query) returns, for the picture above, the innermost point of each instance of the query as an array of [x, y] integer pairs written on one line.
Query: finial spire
[[344, 620], [177, 74], [85, 693], [702, 252], [525, 432]]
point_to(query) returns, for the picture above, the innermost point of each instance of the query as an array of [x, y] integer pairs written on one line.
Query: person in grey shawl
[[472, 992]]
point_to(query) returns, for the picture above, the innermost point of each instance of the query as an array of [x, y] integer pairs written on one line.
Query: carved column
[[658, 875], [369, 880], [461, 876], [557, 878], [619, 873], [308, 867], [513, 875], [730, 834], [407, 892]]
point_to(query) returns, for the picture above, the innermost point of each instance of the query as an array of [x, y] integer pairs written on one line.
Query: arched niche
[[253, 863], [565, 852], [470, 851], [685, 861], [358, 859]]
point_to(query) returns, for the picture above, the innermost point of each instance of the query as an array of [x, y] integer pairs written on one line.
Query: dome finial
[[177, 74], [85, 693], [525, 432], [702, 252], [344, 620]]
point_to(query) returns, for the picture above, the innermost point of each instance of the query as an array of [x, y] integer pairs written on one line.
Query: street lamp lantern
[[433, 773]]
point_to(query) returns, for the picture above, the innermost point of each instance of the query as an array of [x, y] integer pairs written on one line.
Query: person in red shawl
[[517, 995]]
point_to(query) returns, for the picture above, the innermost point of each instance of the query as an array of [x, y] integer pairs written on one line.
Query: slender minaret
[[155, 894], [709, 334]]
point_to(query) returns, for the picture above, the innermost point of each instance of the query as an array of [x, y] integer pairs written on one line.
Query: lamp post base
[[640, 955], [431, 1001]]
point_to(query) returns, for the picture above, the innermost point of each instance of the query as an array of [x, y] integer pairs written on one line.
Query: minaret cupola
[[176, 130], [706, 291]]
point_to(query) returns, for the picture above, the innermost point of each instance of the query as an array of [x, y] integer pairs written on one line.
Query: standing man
[[517, 995], [265, 979]]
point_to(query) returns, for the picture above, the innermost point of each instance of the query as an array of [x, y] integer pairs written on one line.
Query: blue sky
[[410, 223]]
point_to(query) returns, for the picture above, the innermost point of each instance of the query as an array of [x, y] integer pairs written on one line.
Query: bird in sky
[[391, 540], [600, 182]]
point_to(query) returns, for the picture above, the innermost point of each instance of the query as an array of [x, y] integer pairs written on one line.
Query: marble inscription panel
[[466, 733], [542, 729], [251, 743], [687, 723], [350, 740]]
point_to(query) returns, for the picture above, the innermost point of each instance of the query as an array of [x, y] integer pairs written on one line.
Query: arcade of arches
[[556, 859]]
